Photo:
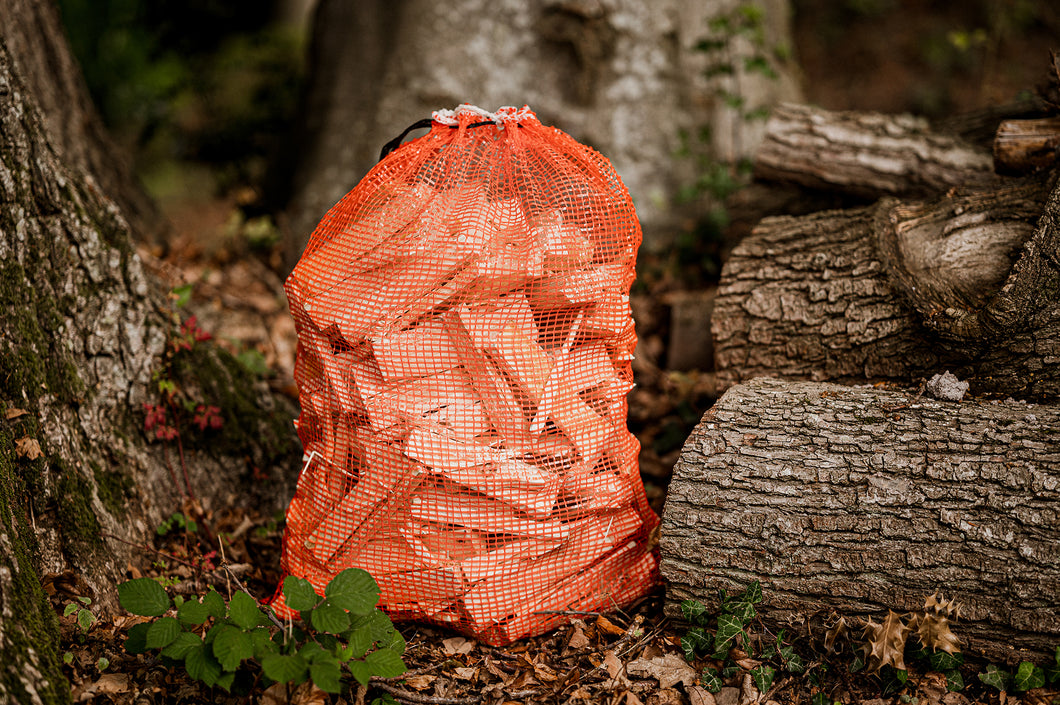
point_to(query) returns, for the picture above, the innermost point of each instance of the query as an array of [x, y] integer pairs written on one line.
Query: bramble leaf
[[326, 674], [143, 596], [354, 590], [361, 671], [231, 646], [244, 611], [215, 604], [385, 663], [285, 669], [182, 645], [193, 612], [136, 643], [330, 618], [201, 665], [299, 593], [162, 632]]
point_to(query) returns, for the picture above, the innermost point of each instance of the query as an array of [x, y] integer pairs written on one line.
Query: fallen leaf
[[615, 669], [465, 673], [420, 682], [665, 696], [606, 625], [28, 448], [457, 645], [14, 413], [578, 640], [632, 699], [108, 684], [748, 692], [669, 670], [305, 694], [698, 695]]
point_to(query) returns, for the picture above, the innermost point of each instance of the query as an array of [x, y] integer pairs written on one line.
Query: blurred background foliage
[[209, 83]]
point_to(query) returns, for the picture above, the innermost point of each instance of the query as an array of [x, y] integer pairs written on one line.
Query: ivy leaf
[[354, 590], [794, 664], [729, 627], [143, 596], [954, 681], [711, 680], [1052, 671], [753, 593], [943, 661], [285, 669], [330, 618], [696, 640], [385, 663], [162, 632], [231, 646], [193, 612], [763, 677], [327, 674], [299, 593], [182, 645], [136, 643], [691, 610], [995, 677], [202, 666], [1028, 676], [244, 611]]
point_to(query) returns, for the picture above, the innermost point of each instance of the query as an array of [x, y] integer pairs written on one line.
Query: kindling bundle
[[465, 340]]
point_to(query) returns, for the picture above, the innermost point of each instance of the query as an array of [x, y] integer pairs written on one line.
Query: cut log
[[897, 292], [1023, 146], [867, 154], [860, 500]]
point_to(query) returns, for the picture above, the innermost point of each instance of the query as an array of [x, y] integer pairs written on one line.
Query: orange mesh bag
[[465, 340]]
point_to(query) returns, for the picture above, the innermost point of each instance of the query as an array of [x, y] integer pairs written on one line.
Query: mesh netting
[[464, 352]]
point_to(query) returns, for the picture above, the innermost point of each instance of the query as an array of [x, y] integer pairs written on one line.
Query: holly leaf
[[144, 597]]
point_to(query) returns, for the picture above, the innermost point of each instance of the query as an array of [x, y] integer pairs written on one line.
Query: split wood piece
[[565, 246], [503, 595], [527, 487], [385, 479], [524, 362], [417, 400], [408, 579], [610, 584], [585, 428], [336, 367], [860, 500], [867, 154], [586, 366], [605, 483], [609, 316], [497, 397], [1023, 146], [482, 514], [578, 288], [485, 321], [417, 352], [900, 292], [339, 250], [503, 560]]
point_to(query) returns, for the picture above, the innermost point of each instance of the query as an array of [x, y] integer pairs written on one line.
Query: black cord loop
[[425, 122]]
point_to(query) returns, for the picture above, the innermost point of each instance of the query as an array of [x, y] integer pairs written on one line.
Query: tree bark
[[1023, 146], [867, 154], [860, 500], [34, 34], [82, 331], [893, 292]]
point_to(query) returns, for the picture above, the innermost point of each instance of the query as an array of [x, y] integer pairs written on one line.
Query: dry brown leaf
[[698, 695], [885, 643], [934, 633], [748, 692], [578, 640], [606, 625], [943, 607], [28, 448], [631, 698], [457, 645], [13, 413], [666, 696], [107, 684], [836, 632], [420, 682], [615, 669], [465, 673], [670, 670]]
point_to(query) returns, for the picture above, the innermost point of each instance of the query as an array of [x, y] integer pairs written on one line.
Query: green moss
[[77, 521], [36, 627], [113, 488], [211, 375]]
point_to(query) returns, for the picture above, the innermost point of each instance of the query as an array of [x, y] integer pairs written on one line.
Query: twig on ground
[[144, 547], [410, 697]]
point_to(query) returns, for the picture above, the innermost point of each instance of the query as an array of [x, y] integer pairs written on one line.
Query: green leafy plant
[[85, 617], [177, 521], [1027, 676], [343, 633]]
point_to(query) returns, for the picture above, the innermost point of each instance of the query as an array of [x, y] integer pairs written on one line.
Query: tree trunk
[[897, 292], [82, 331], [626, 78], [867, 154], [860, 500], [34, 34]]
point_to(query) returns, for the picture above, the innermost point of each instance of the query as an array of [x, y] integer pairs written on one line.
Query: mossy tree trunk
[[83, 330]]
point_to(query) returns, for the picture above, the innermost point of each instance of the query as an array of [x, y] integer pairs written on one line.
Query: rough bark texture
[[1023, 146], [622, 76], [860, 500], [898, 292], [81, 331], [867, 154], [34, 34]]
